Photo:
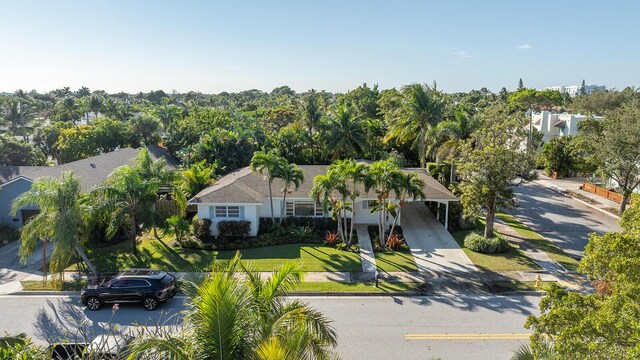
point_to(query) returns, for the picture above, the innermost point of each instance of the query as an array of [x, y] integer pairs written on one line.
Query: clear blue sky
[[214, 46]]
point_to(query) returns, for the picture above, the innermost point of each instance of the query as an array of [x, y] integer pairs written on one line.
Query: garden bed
[[400, 260]]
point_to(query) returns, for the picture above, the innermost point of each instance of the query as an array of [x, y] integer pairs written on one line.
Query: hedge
[[481, 244]]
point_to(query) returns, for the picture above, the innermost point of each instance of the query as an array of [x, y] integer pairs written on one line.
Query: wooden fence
[[602, 192]]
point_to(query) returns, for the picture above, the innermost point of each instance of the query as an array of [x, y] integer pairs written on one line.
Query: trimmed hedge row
[[478, 243]]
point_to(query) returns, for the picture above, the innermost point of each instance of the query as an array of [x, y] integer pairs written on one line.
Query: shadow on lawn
[[333, 261], [390, 263]]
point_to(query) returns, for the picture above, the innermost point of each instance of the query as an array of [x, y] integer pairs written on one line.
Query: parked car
[[146, 286]]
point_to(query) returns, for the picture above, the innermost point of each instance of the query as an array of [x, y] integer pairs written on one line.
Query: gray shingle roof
[[91, 171], [246, 187]]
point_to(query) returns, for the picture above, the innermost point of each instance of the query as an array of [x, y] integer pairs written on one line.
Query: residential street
[[561, 219], [368, 327], [12, 271]]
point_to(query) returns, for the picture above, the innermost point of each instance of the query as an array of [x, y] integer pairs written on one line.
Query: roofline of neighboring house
[[16, 179]]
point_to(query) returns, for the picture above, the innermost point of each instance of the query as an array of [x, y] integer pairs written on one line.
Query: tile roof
[[91, 171], [246, 187]]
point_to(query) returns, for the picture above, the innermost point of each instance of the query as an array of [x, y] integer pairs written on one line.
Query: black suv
[[150, 287]]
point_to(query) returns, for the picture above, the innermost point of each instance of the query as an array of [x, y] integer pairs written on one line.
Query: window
[[229, 211], [303, 208], [137, 283], [369, 204]]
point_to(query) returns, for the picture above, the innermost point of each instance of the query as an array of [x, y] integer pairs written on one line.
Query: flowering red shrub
[[332, 238]]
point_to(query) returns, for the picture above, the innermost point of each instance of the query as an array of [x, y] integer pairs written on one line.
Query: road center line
[[480, 336]]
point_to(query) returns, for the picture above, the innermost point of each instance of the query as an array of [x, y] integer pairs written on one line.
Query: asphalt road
[[561, 219], [368, 327]]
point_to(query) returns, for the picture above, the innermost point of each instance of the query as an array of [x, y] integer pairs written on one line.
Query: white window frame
[[227, 212], [290, 208], [369, 204]]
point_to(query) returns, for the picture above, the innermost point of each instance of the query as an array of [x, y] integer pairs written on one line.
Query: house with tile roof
[[92, 171], [244, 195]]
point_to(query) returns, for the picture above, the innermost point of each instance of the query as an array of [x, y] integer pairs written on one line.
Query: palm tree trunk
[[423, 148], [44, 260], [353, 216], [395, 221], [133, 235], [273, 216], [283, 208], [84, 257]]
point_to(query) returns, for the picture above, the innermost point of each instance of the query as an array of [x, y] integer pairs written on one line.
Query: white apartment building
[[551, 124], [574, 90]]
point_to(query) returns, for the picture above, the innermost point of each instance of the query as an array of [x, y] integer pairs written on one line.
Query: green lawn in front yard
[[363, 287], [512, 260], [157, 254], [399, 260], [540, 242]]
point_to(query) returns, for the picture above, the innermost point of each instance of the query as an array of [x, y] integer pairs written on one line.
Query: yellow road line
[[479, 336]]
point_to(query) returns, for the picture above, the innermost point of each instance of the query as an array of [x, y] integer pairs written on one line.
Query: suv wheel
[[94, 303], [150, 303]]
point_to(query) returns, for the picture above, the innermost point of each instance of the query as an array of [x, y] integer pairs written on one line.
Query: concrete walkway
[[432, 247], [366, 250], [12, 270]]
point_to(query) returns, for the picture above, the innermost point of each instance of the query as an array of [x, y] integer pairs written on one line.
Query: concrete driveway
[[12, 271], [562, 220], [432, 247]]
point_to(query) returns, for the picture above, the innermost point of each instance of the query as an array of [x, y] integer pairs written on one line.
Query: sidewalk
[[571, 186]]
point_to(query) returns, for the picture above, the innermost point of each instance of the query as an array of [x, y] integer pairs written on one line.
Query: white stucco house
[[244, 195], [574, 90], [552, 124]]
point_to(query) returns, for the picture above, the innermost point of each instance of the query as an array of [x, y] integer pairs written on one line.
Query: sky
[[215, 46]]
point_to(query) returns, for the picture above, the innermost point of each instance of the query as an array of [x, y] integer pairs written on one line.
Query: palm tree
[[124, 198], [322, 191], [196, 178], [290, 174], [451, 134], [60, 221], [353, 174], [95, 104], [409, 185], [347, 135], [19, 115], [311, 115], [383, 176], [243, 317], [270, 162], [421, 109]]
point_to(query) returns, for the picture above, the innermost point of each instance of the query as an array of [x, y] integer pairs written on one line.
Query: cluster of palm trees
[[345, 180], [274, 167]]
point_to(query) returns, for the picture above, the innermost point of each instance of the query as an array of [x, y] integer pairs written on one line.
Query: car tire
[[94, 303], [150, 303]]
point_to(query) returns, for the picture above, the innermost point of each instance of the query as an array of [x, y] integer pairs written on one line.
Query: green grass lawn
[[156, 254], [388, 261], [512, 260], [37, 285], [520, 286], [364, 287], [540, 242]]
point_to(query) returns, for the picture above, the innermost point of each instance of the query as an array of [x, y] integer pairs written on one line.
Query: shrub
[[332, 238], [234, 228], [320, 224], [202, 230], [394, 242], [478, 243], [301, 233]]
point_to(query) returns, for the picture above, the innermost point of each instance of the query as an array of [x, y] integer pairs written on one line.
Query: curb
[[564, 192]]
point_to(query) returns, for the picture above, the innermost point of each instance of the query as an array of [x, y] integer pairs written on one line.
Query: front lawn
[[512, 260], [157, 254], [363, 287], [540, 242], [399, 260]]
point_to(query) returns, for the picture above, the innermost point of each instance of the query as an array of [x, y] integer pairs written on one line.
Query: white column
[[438, 211], [446, 217]]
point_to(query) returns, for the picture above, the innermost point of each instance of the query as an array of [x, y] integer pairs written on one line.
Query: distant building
[[551, 124], [574, 90]]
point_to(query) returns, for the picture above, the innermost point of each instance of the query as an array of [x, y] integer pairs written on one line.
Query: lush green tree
[[178, 226], [19, 113], [363, 100], [353, 174], [603, 102], [271, 163], [68, 109], [323, 191], [75, 143], [109, 134], [46, 139], [94, 104], [618, 153], [604, 324], [421, 108], [311, 114], [291, 176], [59, 222], [196, 178], [167, 112], [451, 135], [145, 130], [558, 156], [16, 153], [244, 317], [292, 142], [491, 159], [346, 136], [409, 186], [583, 88], [125, 198], [532, 99], [520, 84], [228, 149]]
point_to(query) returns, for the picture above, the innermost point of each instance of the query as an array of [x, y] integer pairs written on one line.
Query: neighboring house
[[15, 180], [244, 195], [551, 124], [574, 90]]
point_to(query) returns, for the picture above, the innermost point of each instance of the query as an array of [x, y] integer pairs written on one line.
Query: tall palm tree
[[421, 109], [324, 186], [60, 221], [347, 134], [383, 177], [18, 114], [354, 174], [124, 198], [243, 317], [95, 104], [451, 134], [196, 178], [290, 174], [270, 162], [409, 185], [311, 115]]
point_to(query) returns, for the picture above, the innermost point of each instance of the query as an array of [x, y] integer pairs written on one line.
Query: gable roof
[[244, 186], [91, 171]]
